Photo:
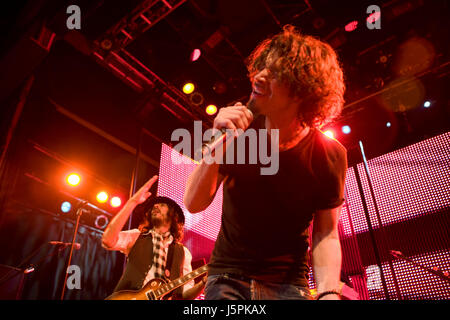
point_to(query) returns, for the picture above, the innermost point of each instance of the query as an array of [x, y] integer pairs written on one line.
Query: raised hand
[[143, 194]]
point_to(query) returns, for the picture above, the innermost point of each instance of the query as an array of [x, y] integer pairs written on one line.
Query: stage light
[[346, 129], [116, 202], [188, 88], [196, 53], [101, 221], [427, 104], [329, 134], [66, 206], [211, 109], [351, 26], [73, 179], [388, 124], [196, 98], [102, 197]]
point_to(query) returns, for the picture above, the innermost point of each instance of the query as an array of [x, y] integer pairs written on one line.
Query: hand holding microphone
[[237, 117], [233, 117]]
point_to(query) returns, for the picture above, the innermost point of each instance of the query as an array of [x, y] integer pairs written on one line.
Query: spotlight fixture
[[427, 104], [116, 202], [101, 221], [196, 98], [73, 179], [188, 88], [102, 197], [211, 109], [346, 129], [66, 206]]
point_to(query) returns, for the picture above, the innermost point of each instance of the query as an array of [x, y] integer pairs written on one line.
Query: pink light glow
[[374, 17], [408, 183], [171, 183], [351, 26], [195, 55]]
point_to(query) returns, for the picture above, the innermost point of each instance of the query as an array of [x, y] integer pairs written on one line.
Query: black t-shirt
[[265, 218]]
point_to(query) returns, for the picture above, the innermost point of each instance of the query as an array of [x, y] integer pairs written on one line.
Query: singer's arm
[[204, 181], [326, 251], [111, 234]]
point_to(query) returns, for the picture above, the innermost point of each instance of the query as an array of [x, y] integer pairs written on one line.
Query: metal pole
[[372, 193], [134, 179], [371, 233], [69, 260], [20, 105]]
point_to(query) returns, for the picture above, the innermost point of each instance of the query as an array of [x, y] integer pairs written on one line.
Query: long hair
[[176, 226], [311, 70]]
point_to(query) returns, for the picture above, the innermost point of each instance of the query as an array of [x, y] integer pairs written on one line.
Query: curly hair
[[176, 226], [309, 67]]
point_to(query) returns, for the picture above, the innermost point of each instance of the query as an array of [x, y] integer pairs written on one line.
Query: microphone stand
[[78, 213], [380, 224], [435, 271], [27, 270]]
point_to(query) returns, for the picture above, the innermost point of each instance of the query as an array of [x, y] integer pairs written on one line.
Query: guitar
[[156, 289]]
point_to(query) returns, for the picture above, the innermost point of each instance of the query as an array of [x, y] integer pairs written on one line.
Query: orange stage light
[[102, 197], [73, 179], [116, 202]]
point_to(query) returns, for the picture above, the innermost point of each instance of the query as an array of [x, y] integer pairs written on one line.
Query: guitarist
[[154, 250]]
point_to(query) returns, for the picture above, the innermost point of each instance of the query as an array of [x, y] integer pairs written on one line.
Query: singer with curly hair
[[263, 246]]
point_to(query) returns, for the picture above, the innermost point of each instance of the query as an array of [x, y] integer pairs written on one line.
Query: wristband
[[327, 293]]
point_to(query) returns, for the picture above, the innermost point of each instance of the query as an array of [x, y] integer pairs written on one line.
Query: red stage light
[[351, 26]]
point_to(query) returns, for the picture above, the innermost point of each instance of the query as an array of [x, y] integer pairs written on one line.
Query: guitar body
[[146, 293], [157, 289]]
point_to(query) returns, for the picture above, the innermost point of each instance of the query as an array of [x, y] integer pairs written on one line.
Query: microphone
[[223, 138], [76, 245]]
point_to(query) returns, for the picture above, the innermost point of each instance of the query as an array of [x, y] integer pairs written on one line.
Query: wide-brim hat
[[148, 204]]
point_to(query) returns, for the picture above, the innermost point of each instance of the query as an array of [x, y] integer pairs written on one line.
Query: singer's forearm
[[326, 250], [201, 186], [111, 233]]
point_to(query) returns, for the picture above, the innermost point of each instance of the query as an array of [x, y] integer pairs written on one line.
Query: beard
[[157, 219]]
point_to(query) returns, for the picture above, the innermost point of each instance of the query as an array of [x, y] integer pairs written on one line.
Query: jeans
[[233, 287]]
